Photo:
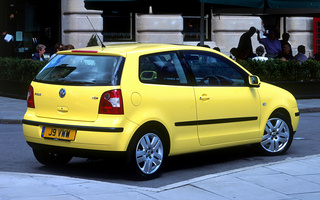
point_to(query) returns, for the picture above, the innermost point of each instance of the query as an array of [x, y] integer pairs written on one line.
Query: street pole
[[202, 24]]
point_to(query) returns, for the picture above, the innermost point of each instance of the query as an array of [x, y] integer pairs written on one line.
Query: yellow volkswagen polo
[[151, 101]]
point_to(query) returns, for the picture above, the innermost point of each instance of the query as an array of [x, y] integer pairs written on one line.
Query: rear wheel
[[147, 154], [278, 135], [50, 159]]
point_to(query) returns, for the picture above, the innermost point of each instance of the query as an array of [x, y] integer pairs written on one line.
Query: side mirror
[[254, 81]]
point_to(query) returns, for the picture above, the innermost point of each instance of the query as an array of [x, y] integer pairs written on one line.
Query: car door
[[228, 110]]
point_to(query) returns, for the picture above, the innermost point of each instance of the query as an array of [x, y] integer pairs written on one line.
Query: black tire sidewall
[[50, 159]]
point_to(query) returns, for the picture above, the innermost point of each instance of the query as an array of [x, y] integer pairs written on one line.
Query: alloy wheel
[[149, 153], [276, 135]]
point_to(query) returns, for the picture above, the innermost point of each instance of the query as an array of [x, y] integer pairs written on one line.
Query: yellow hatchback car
[[150, 101]]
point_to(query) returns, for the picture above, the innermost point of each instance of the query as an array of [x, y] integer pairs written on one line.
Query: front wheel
[[147, 154], [278, 135], [51, 159]]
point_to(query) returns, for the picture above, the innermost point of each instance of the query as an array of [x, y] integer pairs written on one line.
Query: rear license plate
[[58, 133]]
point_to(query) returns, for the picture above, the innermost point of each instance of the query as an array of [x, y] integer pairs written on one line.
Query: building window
[[118, 26], [191, 28]]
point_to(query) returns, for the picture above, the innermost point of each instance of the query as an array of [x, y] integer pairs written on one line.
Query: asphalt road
[[17, 156]]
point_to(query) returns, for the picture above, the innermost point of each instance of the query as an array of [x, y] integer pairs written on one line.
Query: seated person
[[40, 50], [260, 52], [285, 53], [301, 57]]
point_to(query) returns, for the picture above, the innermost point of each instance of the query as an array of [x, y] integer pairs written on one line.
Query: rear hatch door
[[70, 86]]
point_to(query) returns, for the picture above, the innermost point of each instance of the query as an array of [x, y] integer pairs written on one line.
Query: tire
[[146, 154], [278, 135], [51, 159]]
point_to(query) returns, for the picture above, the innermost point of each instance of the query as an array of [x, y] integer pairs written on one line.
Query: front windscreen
[[82, 70]]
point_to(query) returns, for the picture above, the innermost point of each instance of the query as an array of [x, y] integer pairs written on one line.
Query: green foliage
[[93, 41], [278, 70], [269, 71], [19, 69]]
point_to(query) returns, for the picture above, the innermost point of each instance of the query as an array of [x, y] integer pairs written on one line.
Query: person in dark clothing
[[216, 48], [285, 53], [6, 45], [57, 47], [40, 50], [244, 50], [285, 40]]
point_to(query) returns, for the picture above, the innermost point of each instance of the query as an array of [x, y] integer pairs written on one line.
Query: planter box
[[15, 89], [301, 90]]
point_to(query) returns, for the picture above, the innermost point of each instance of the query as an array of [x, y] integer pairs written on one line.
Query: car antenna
[[96, 33]]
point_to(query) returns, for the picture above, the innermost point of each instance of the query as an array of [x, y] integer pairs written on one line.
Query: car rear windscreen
[[82, 70]]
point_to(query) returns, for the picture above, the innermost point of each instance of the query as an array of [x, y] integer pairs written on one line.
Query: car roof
[[123, 49]]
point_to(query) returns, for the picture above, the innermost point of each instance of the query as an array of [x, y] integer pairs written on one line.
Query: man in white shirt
[[260, 52]]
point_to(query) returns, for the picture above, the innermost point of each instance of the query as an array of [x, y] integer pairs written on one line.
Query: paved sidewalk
[[292, 179]]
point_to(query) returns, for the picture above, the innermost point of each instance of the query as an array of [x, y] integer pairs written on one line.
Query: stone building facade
[[225, 30]]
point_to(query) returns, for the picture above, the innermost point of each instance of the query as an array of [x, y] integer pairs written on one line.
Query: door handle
[[62, 109], [204, 98]]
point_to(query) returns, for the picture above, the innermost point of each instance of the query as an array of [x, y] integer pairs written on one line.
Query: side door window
[[210, 69], [162, 68]]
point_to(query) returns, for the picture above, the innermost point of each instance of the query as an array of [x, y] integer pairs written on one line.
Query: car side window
[[210, 69], [162, 68]]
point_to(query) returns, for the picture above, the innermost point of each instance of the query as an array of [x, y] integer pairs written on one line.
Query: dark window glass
[[210, 69], [82, 70], [164, 68], [191, 28], [118, 26]]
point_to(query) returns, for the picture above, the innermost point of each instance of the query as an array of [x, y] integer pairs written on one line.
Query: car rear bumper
[[88, 138], [83, 128]]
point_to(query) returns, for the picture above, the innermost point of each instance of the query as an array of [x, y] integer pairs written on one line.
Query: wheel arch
[[154, 125], [284, 112], [266, 117]]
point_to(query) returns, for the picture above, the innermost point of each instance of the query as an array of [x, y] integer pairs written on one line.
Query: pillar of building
[[159, 28], [301, 33], [75, 26]]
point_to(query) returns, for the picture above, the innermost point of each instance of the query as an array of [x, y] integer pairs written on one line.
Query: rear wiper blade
[[77, 82]]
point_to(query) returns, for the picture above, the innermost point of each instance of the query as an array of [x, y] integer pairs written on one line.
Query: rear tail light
[[111, 103], [30, 98]]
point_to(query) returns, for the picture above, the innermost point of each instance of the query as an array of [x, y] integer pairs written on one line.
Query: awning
[[219, 7], [272, 4], [287, 4], [242, 3], [142, 6], [116, 5], [233, 7], [265, 7]]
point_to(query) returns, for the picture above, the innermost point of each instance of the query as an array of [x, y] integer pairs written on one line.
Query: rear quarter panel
[[161, 103]]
